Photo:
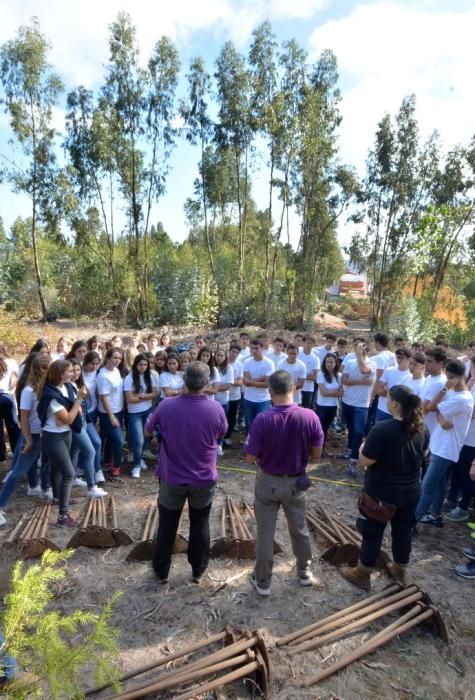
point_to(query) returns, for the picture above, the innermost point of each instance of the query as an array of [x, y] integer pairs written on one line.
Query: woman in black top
[[392, 454]]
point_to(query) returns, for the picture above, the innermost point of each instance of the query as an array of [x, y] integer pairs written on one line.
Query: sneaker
[[79, 482], [227, 442], [470, 552], [3, 520], [261, 591], [143, 466], [466, 570], [306, 578], [96, 492], [99, 477], [47, 494], [135, 473], [429, 519], [115, 473], [66, 521], [130, 457], [448, 505], [220, 451], [197, 579], [36, 491], [6, 475], [457, 514], [352, 470], [148, 454]]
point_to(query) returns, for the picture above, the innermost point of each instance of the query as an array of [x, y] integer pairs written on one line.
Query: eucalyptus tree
[[30, 92]]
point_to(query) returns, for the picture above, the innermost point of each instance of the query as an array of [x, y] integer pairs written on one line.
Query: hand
[[83, 392], [114, 422], [472, 471], [27, 447], [141, 397], [367, 381]]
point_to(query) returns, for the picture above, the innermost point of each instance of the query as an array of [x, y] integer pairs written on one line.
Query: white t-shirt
[[244, 354], [110, 384], [321, 352], [90, 380], [360, 394], [392, 376], [334, 385], [456, 407], [171, 381], [470, 436], [29, 402], [235, 391], [276, 358], [6, 385], [415, 385], [256, 370], [297, 371], [129, 386], [51, 426], [227, 378], [311, 363], [57, 356], [383, 360], [213, 379], [432, 386]]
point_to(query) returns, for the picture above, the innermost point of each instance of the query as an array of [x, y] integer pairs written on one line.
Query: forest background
[[90, 247]]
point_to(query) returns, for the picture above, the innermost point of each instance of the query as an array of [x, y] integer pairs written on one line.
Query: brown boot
[[396, 571], [360, 575]]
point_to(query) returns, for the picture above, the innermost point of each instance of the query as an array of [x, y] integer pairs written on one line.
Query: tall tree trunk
[[34, 242]]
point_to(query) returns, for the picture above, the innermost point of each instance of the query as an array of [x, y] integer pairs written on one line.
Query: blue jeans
[[135, 436], [382, 415], [83, 454], [460, 481], [22, 464], [95, 438], [113, 438], [252, 409], [434, 484], [355, 419]]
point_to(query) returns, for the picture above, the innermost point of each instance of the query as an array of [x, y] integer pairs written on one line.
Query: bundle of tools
[[412, 605], [344, 540], [143, 550], [30, 536], [243, 656], [94, 531]]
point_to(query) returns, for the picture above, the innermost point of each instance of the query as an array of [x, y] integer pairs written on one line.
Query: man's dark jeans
[[171, 500]]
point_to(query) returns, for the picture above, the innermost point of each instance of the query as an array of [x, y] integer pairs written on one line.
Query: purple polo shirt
[[189, 426], [281, 437]]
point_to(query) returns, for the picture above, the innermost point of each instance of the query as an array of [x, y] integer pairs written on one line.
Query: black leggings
[[373, 532], [232, 416], [7, 417], [56, 447]]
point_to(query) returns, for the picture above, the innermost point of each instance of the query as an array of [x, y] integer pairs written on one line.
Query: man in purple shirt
[[281, 441], [189, 427]]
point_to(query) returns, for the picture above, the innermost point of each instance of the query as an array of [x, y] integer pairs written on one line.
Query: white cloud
[[386, 50]]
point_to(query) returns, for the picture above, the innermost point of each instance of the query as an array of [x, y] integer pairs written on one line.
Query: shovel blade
[[181, 545], [346, 554], [142, 551], [121, 537]]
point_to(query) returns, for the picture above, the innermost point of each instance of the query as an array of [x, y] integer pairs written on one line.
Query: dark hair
[[438, 353], [3, 368], [196, 376], [54, 374], [210, 363], [90, 341], [109, 354], [280, 382], [173, 356], [171, 350], [419, 357], [292, 346], [39, 345], [279, 339], [257, 341], [405, 352], [412, 413], [159, 355], [22, 379], [440, 340], [223, 367], [325, 371], [141, 357], [361, 339], [330, 336], [309, 337], [342, 341], [235, 346], [399, 339], [90, 357], [75, 346], [80, 379], [455, 367], [243, 334], [381, 339]]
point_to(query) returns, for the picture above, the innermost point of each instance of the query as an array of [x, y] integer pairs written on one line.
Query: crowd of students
[[67, 411]]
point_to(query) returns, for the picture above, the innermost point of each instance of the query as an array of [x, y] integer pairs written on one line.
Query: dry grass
[[155, 619]]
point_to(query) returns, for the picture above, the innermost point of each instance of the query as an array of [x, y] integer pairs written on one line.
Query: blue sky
[[385, 50]]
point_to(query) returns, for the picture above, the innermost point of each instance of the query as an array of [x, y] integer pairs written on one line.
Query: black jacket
[[50, 392]]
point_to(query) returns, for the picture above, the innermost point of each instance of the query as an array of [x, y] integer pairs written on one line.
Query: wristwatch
[[444, 390]]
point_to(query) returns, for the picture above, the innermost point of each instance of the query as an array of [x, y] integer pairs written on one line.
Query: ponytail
[[410, 405]]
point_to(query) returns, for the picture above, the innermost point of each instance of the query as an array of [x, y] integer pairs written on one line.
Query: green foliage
[[57, 649]]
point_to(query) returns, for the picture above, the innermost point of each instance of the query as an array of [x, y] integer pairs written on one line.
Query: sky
[[385, 50]]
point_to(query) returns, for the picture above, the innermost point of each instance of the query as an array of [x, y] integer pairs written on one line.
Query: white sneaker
[[6, 476], [135, 473], [306, 578], [130, 457], [227, 442], [262, 591], [96, 492], [48, 494], [79, 482], [220, 451], [3, 520], [34, 491], [99, 477], [143, 466], [148, 454]]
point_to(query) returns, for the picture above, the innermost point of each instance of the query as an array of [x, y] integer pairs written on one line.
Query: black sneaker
[[470, 552], [429, 519]]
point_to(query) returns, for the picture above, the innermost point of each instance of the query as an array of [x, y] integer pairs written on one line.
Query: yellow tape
[[313, 478]]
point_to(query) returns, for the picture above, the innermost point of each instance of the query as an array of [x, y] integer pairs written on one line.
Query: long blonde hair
[[37, 373]]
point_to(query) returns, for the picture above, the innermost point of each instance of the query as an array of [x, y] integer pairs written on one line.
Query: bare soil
[[156, 619]]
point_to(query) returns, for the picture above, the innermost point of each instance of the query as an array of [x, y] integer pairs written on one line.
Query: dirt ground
[[156, 619]]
